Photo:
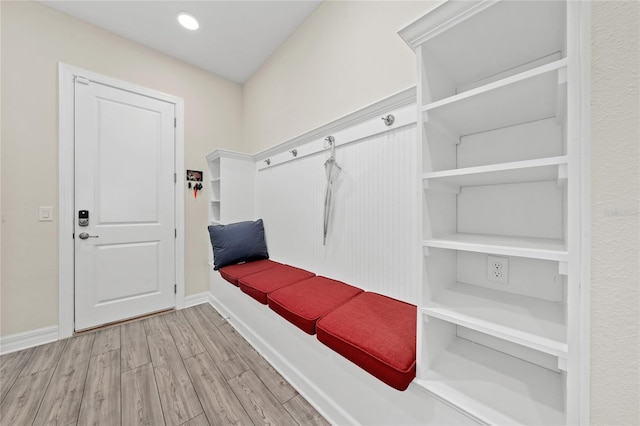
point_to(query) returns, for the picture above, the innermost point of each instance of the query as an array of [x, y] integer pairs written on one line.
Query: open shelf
[[214, 193], [531, 95], [214, 169], [214, 214], [527, 321], [515, 172], [498, 173], [535, 248], [494, 387], [462, 51]]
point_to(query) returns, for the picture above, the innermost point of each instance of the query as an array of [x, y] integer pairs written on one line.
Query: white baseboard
[[197, 299], [28, 339]]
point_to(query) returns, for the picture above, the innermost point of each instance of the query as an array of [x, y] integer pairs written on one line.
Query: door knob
[[84, 236]]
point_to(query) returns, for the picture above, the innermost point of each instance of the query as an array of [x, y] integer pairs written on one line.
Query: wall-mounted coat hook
[[196, 187], [294, 152], [330, 140], [389, 120], [268, 161]]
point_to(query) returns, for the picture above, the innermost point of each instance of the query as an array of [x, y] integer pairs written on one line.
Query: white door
[[124, 179]]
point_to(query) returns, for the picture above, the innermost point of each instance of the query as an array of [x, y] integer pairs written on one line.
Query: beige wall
[[348, 54], [345, 56], [34, 39], [615, 174]]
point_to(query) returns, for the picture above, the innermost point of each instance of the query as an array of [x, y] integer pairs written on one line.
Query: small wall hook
[[294, 152], [330, 139], [268, 161], [389, 119]]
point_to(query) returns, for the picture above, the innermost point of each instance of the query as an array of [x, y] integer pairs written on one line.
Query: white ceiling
[[234, 39]]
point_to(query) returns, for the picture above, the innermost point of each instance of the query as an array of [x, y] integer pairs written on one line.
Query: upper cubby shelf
[[213, 162], [525, 97], [468, 44]]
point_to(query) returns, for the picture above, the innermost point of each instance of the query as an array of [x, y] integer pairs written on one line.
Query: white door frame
[[66, 197]]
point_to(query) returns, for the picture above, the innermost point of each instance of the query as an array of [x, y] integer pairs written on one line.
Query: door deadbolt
[[83, 217]]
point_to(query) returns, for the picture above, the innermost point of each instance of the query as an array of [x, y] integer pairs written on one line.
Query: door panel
[[128, 183], [124, 170], [137, 274]]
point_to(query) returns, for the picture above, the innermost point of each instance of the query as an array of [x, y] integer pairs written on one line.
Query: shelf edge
[[529, 340], [513, 79], [532, 253], [499, 167], [461, 402]]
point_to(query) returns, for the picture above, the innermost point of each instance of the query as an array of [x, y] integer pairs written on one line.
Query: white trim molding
[[197, 299], [439, 20], [28, 339], [583, 71], [179, 206], [66, 76], [348, 129], [367, 116], [228, 154]]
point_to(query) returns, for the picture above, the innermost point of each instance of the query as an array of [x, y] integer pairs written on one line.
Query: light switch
[[45, 214]]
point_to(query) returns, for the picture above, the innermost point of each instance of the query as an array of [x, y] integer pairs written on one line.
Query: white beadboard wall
[[372, 240]]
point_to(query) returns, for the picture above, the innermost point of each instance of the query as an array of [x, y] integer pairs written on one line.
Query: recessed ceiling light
[[188, 21]]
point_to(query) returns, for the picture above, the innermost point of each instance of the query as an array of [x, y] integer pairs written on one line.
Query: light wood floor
[[188, 367]]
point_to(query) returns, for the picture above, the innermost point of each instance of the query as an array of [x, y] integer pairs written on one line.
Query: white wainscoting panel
[[285, 201], [372, 239]]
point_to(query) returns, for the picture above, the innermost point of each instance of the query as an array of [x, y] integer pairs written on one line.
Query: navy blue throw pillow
[[237, 242]]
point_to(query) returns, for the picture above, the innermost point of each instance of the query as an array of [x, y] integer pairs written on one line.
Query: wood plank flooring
[[187, 367]]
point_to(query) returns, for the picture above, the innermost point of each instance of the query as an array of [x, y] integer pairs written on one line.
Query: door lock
[[83, 217], [84, 236]]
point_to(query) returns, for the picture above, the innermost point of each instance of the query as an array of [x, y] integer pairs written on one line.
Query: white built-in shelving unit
[[499, 116], [231, 181], [213, 164]]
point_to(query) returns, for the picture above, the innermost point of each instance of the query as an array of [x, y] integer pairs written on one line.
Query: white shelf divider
[[515, 172], [527, 321], [534, 248], [528, 96], [496, 388], [520, 77], [461, 44]]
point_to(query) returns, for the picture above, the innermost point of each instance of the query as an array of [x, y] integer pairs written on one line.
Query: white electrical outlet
[[498, 269]]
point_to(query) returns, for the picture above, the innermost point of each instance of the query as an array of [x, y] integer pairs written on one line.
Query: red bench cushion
[[377, 333], [260, 284], [232, 273], [303, 303]]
